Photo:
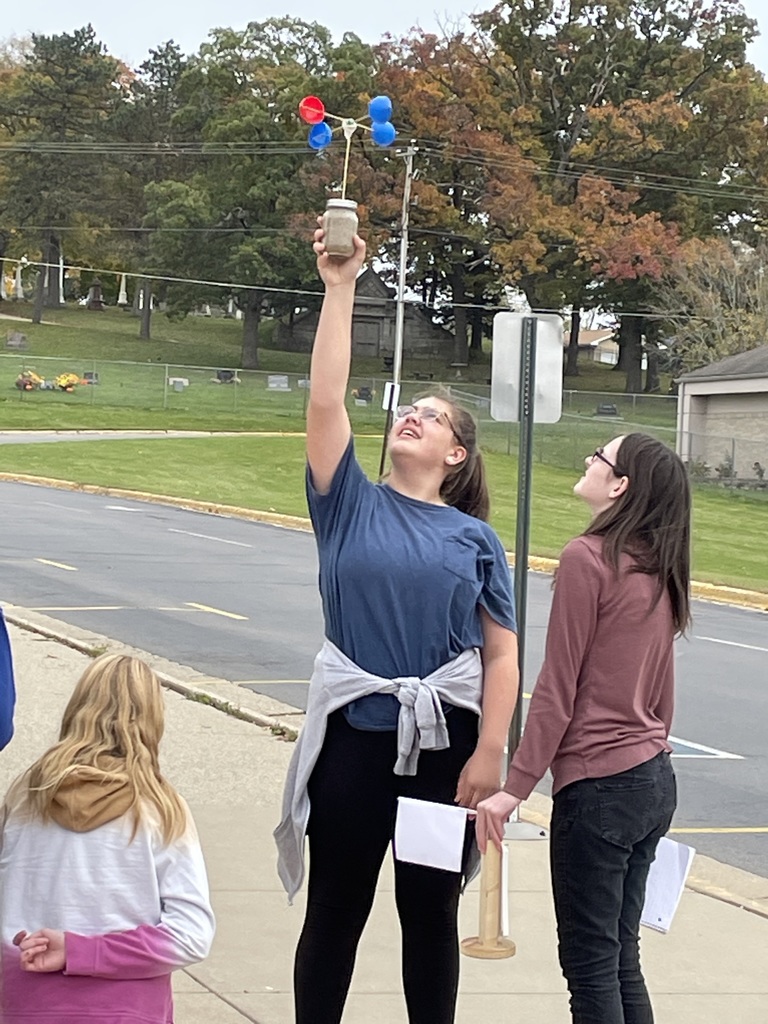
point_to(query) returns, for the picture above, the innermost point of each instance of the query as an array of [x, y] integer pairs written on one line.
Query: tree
[[714, 301], [150, 147], [61, 98], [626, 94], [247, 202], [446, 101]]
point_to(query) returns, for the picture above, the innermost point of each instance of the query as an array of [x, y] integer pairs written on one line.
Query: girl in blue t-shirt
[[411, 578]]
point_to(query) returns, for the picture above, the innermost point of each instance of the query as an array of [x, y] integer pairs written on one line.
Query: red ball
[[311, 110]]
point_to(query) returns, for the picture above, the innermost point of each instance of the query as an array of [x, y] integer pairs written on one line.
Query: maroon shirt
[[604, 697]]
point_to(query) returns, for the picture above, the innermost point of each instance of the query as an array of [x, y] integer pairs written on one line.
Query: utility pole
[[397, 360]]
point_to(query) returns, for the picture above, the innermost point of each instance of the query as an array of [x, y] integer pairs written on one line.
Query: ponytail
[[466, 487]]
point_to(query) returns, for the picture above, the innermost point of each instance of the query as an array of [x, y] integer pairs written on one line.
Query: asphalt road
[[238, 599]]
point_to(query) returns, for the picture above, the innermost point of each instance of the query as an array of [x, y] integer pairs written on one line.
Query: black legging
[[353, 796]]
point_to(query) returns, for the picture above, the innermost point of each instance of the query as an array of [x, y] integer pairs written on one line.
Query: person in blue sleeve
[[7, 688], [414, 688]]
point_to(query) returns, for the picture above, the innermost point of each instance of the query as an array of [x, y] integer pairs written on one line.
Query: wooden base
[[499, 949]]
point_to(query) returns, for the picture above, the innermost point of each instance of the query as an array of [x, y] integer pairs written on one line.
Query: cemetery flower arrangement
[[67, 381], [28, 380]]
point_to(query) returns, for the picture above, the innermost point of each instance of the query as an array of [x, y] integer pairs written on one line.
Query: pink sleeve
[[182, 936], [572, 623], [144, 952]]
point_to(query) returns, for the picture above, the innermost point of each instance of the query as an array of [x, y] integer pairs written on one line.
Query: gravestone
[[16, 340], [95, 300]]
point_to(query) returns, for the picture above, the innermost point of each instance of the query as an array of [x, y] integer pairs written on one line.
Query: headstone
[[15, 339], [95, 300]]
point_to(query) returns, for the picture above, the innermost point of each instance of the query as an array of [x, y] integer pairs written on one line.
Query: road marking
[[122, 508], [67, 508], [56, 565], [731, 643], [205, 536], [759, 830], [703, 751], [135, 608], [80, 608], [215, 611]]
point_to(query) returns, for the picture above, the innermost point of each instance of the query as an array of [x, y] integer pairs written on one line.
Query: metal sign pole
[[522, 537]]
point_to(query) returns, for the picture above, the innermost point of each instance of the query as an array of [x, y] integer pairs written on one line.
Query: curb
[[191, 691], [717, 593]]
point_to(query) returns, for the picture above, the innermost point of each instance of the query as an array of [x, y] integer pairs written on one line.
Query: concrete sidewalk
[[711, 967]]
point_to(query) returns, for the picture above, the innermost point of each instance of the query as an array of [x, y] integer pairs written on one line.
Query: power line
[[636, 183], [599, 170], [60, 228], [271, 289], [549, 166]]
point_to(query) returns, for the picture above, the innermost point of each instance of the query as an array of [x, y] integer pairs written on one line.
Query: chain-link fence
[[733, 462], [262, 400]]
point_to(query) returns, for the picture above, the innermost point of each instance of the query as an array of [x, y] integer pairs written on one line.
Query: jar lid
[[341, 204]]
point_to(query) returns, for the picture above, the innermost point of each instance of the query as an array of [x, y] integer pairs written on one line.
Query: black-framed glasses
[[426, 412], [599, 453]]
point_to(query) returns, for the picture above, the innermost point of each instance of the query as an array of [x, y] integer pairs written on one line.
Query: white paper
[[666, 881], [430, 834]]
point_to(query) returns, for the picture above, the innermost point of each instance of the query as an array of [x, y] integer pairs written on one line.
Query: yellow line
[[57, 565], [721, 831], [215, 611]]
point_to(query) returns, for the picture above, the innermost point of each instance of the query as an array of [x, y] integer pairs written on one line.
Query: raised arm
[[328, 426]]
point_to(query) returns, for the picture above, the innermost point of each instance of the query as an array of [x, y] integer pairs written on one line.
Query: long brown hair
[[114, 720], [651, 521], [465, 487]]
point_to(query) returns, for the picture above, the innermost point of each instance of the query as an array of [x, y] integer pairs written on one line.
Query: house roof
[[744, 364], [591, 339]]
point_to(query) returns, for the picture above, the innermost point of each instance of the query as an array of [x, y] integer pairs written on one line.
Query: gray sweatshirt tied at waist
[[337, 681]]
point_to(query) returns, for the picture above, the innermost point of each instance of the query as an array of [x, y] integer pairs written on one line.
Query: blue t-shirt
[[7, 688], [402, 582]]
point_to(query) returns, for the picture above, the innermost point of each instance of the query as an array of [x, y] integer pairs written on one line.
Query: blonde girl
[[101, 874]]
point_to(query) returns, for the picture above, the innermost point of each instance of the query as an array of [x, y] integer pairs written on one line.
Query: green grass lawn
[[267, 474], [76, 334]]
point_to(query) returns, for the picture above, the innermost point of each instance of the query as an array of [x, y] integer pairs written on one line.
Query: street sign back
[[505, 367]]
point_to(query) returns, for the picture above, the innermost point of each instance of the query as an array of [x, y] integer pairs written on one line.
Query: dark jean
[[353, 798], [604, 837]]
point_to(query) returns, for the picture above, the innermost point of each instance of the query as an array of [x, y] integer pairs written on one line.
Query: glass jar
[[340, 226]]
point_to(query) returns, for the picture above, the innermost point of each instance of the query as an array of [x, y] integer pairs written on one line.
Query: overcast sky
[[129, 30]]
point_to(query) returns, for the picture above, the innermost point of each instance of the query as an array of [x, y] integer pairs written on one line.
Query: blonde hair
[[114, 721]]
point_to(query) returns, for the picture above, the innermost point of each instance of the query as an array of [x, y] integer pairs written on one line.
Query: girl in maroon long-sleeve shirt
[[600, 717]]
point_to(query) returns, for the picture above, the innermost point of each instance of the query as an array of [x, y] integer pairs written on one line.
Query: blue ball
[[319, 135], [383, 134], [380, 109]]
